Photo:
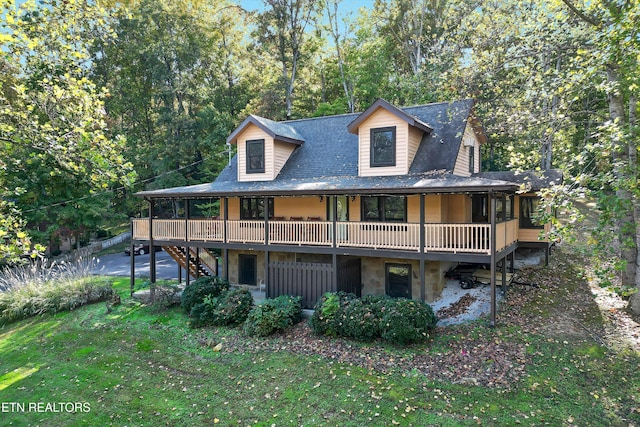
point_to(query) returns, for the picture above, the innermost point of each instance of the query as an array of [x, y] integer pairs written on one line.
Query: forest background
[[101, 99]]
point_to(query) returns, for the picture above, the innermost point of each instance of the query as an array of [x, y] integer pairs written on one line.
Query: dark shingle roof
[[327, 162], [533, 180]]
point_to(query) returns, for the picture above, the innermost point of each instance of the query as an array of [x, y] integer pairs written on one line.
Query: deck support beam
[[423, 285], [492, 244]]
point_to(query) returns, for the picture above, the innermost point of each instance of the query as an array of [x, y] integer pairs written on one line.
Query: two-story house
[[380, 202]]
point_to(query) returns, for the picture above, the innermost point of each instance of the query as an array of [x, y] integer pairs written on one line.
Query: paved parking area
[[119, 265]]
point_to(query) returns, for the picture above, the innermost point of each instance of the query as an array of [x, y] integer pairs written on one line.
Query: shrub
[[230, 308], [359, 320], [325, 319], [406, 321], [399, 321], [273, 315], [200, 288]]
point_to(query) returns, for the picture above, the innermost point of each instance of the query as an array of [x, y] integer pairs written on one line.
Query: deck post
[[186, 247], [132, 280], [152, 255], [492, 199], [334, 255], [503, 263], [422, 245]]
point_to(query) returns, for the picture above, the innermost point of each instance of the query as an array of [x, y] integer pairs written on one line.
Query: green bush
[[230, 308], [399, 321], [201, 288], [273, 315], [359, 320], [327, 311], [406, 321]]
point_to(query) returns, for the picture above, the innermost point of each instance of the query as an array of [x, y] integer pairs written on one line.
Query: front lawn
[[142, 365]]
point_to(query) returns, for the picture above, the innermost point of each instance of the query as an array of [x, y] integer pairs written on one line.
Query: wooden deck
[[449, 238]]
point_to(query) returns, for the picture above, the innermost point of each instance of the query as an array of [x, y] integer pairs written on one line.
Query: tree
[[52, 122], [615, 53], [174, 76], [282, 31]]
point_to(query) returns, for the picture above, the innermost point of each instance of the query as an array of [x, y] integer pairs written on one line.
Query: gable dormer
[[388, 139], [468, 160], [264, 146]]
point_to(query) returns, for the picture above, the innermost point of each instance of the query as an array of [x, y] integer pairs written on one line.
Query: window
[[384, 208], [528, 209], [253, 208], [472, 160], [255, 156], [383, 147], [397, 278]]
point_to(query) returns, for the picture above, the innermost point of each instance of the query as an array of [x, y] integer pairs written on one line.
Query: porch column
[[334, 216], [492, 243], [152, 252], [334, 255], [132, 261], [266, 246], [225, 251], [422, 244], [186, 238]]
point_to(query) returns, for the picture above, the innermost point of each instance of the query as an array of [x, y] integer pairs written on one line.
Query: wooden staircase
[[195, 269]]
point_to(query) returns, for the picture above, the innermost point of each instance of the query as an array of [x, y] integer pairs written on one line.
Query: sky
[[345, 6]]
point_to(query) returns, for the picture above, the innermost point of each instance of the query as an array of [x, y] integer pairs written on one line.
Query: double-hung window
[[383, 147], [255, 156], [384, 208]]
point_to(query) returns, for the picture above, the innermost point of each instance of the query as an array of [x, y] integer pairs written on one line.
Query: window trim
[[381, 209], [255, 209], [387, 285], [252, 142], [372, 159], [472, 159], [528, 222]]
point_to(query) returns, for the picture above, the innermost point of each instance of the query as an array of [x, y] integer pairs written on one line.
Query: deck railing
[[452, 238]]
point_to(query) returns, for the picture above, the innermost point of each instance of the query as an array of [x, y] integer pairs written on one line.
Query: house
[[380, 202]]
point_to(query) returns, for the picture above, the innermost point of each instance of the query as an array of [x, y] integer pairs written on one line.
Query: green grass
[[138, 365]]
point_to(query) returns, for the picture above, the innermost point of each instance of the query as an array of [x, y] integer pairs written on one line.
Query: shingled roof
[[327, 161]]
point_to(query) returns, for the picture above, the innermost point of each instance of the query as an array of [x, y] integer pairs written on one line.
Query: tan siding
[[459, 208], [383, 118], [281, 153], [354, 209], [528, 234], [234, 208], [250, 133], [300, 206], [462, 162], [413, 209], [415, 137], [433, 208]]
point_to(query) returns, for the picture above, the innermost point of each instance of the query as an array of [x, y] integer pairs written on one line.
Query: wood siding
[[304, 207], [415, 137], [529, 234], [282, 152], [462, 162], [379, 119], [276, 154]]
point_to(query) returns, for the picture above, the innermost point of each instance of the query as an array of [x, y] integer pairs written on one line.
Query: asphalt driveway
[[120, 265]]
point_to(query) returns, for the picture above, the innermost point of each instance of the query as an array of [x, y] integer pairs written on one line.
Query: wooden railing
[[452, 238], [379, 235]]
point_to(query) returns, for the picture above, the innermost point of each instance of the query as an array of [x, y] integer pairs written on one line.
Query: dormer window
[[255, 156], [383, 146]]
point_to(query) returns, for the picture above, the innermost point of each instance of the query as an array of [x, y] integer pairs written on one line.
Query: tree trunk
[[625, 223], [633, 163]]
